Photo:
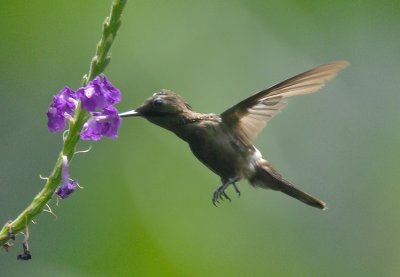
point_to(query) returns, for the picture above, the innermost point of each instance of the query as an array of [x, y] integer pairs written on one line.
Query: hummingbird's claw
[[236, 189], [226, 196], [215, 198]]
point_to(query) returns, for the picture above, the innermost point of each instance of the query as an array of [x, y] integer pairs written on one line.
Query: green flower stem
[[97, 66]]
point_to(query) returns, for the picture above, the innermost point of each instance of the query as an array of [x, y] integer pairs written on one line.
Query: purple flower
[[105, 123], [67, 186], [62, 107], [98, 98], [98, 94]]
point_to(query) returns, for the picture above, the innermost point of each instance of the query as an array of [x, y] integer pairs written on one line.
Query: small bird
[[224, 143]]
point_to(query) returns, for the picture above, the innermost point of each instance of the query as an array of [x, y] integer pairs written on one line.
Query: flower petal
[[99, 94], [61, 108], [67, 186], [105, 123]]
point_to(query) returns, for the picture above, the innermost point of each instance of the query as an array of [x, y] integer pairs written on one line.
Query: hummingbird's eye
[[158, 102]]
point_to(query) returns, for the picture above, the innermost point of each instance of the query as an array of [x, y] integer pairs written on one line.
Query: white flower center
[[89, 92]]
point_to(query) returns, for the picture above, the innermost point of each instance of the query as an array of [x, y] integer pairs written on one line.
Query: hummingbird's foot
[[220, 194]]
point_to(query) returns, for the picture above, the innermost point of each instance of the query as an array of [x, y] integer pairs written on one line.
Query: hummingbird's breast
[[220, 149]]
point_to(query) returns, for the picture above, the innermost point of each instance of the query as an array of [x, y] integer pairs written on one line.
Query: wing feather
[[251, 115]]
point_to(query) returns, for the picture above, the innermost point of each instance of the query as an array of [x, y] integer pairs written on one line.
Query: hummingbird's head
[[165, 108]]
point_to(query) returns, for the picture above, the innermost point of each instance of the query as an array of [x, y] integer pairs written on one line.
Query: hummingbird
[[224, 142]]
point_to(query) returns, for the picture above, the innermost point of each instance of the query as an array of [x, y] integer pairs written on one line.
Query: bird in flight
[[224, 143]]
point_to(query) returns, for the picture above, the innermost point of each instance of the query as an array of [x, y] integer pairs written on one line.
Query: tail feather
[[267, 177]]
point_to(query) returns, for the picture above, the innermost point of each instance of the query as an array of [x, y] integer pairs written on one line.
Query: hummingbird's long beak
[[129, 113]]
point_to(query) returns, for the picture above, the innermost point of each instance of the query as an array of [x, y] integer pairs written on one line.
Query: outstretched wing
[[251, 115]]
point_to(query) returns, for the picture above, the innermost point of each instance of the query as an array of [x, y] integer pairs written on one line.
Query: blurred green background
[[146, 207]]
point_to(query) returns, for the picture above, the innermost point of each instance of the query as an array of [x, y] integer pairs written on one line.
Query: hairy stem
[[97, 66]]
